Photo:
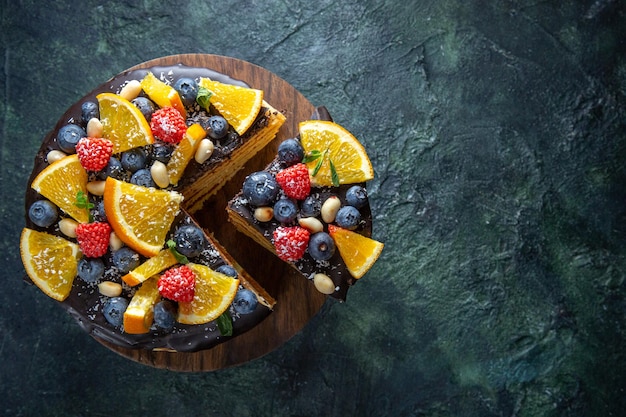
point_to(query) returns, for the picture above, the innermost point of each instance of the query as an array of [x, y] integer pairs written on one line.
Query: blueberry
[[164, 315], [227, 270], [285, 210], [143, 177], [145, 106], [189, 240], [260, 188], [133, 159], [348, 217], [125, 259], [161, 152], [98, 212], [89, 110], [114, 309], [68, 136], [356, 196], [321, 246], [90, 269], [245, 301], [290, 151], [113, 169], [187, 90], [217, 127], [43, 213], [311, 206]]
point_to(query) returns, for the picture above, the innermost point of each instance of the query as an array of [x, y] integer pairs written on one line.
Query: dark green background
[[497, 132]]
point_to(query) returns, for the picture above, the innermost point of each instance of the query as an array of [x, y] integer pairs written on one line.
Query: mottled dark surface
[[498, 134]]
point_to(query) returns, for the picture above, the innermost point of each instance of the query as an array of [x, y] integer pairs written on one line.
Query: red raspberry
[[178, 284], [93, 238], [295, 181], [168, 125], [291, 242], [94, 153]]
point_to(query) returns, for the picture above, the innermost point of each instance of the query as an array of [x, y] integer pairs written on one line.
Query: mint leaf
[[82, 201], [182, 259], [204, 94], [311, 156], [333, 173], [225, 324]]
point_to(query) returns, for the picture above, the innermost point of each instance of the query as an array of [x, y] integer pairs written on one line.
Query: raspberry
[[295, 181], [178, 284], [168, 125], [93, 238], [291, 242], [94, 153]]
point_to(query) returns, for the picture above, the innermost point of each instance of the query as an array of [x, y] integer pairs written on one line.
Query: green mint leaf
[[182, 259], [333, 173], [311, 156], [225, 324], [82, 201], [317, 167], [204, 94]]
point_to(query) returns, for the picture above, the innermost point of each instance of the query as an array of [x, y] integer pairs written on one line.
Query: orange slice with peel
[[184, 151], [163, 260], [123, 123], [60, 182], [50, 261], [240, 106], [140, 216], [139, 314], [336, 147], [357, 251], [214, 293], [162, 94]]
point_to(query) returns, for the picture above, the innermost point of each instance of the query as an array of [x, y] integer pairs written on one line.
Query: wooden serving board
[[297, 301]]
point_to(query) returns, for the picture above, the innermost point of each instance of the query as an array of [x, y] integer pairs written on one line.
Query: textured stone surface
[[497, 132]]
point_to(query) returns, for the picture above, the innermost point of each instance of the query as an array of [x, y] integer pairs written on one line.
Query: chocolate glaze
[[335, 267], [84, 302]]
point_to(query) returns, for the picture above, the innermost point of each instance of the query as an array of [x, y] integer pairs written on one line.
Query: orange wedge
[[123, 123], [139, 314], [357, 251], [214, 293], [140, 216], [162, 94], [240, 106], [163, 260], [50, 261], [185, 150], [335, 145], [60, 182]]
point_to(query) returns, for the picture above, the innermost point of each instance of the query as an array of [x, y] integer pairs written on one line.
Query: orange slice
[[139, 314], [334, 144], [214, 293], [60, 182], [162, 94], [240, 106], [140, 216], [50, 261], [357, 251], [123, 123], [163, 260], [185, 150]]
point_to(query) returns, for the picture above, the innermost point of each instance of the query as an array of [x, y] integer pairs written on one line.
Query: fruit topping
[[178, 284], [93, 238], [260, 188], [187, 89], [290, 152], [138, 315], [162, 94], [311, 206], [68, 136], [217, 127], [134, 159], [168, 125], [145, 106], [150, 267], [321, 246], [143, 178], [90, 270], [245, 301], [125, 259], [356, 196], [94, 153], [357, 251], [43, 213], [295, 181], [189, 240], [165, 315], [113, 310], [291, 242], [123, 123], [227, 270], [285, 210], [89, 110], [348, 217], [184, 152]]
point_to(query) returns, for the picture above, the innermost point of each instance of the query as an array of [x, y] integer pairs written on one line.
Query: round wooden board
[[297, 301]]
